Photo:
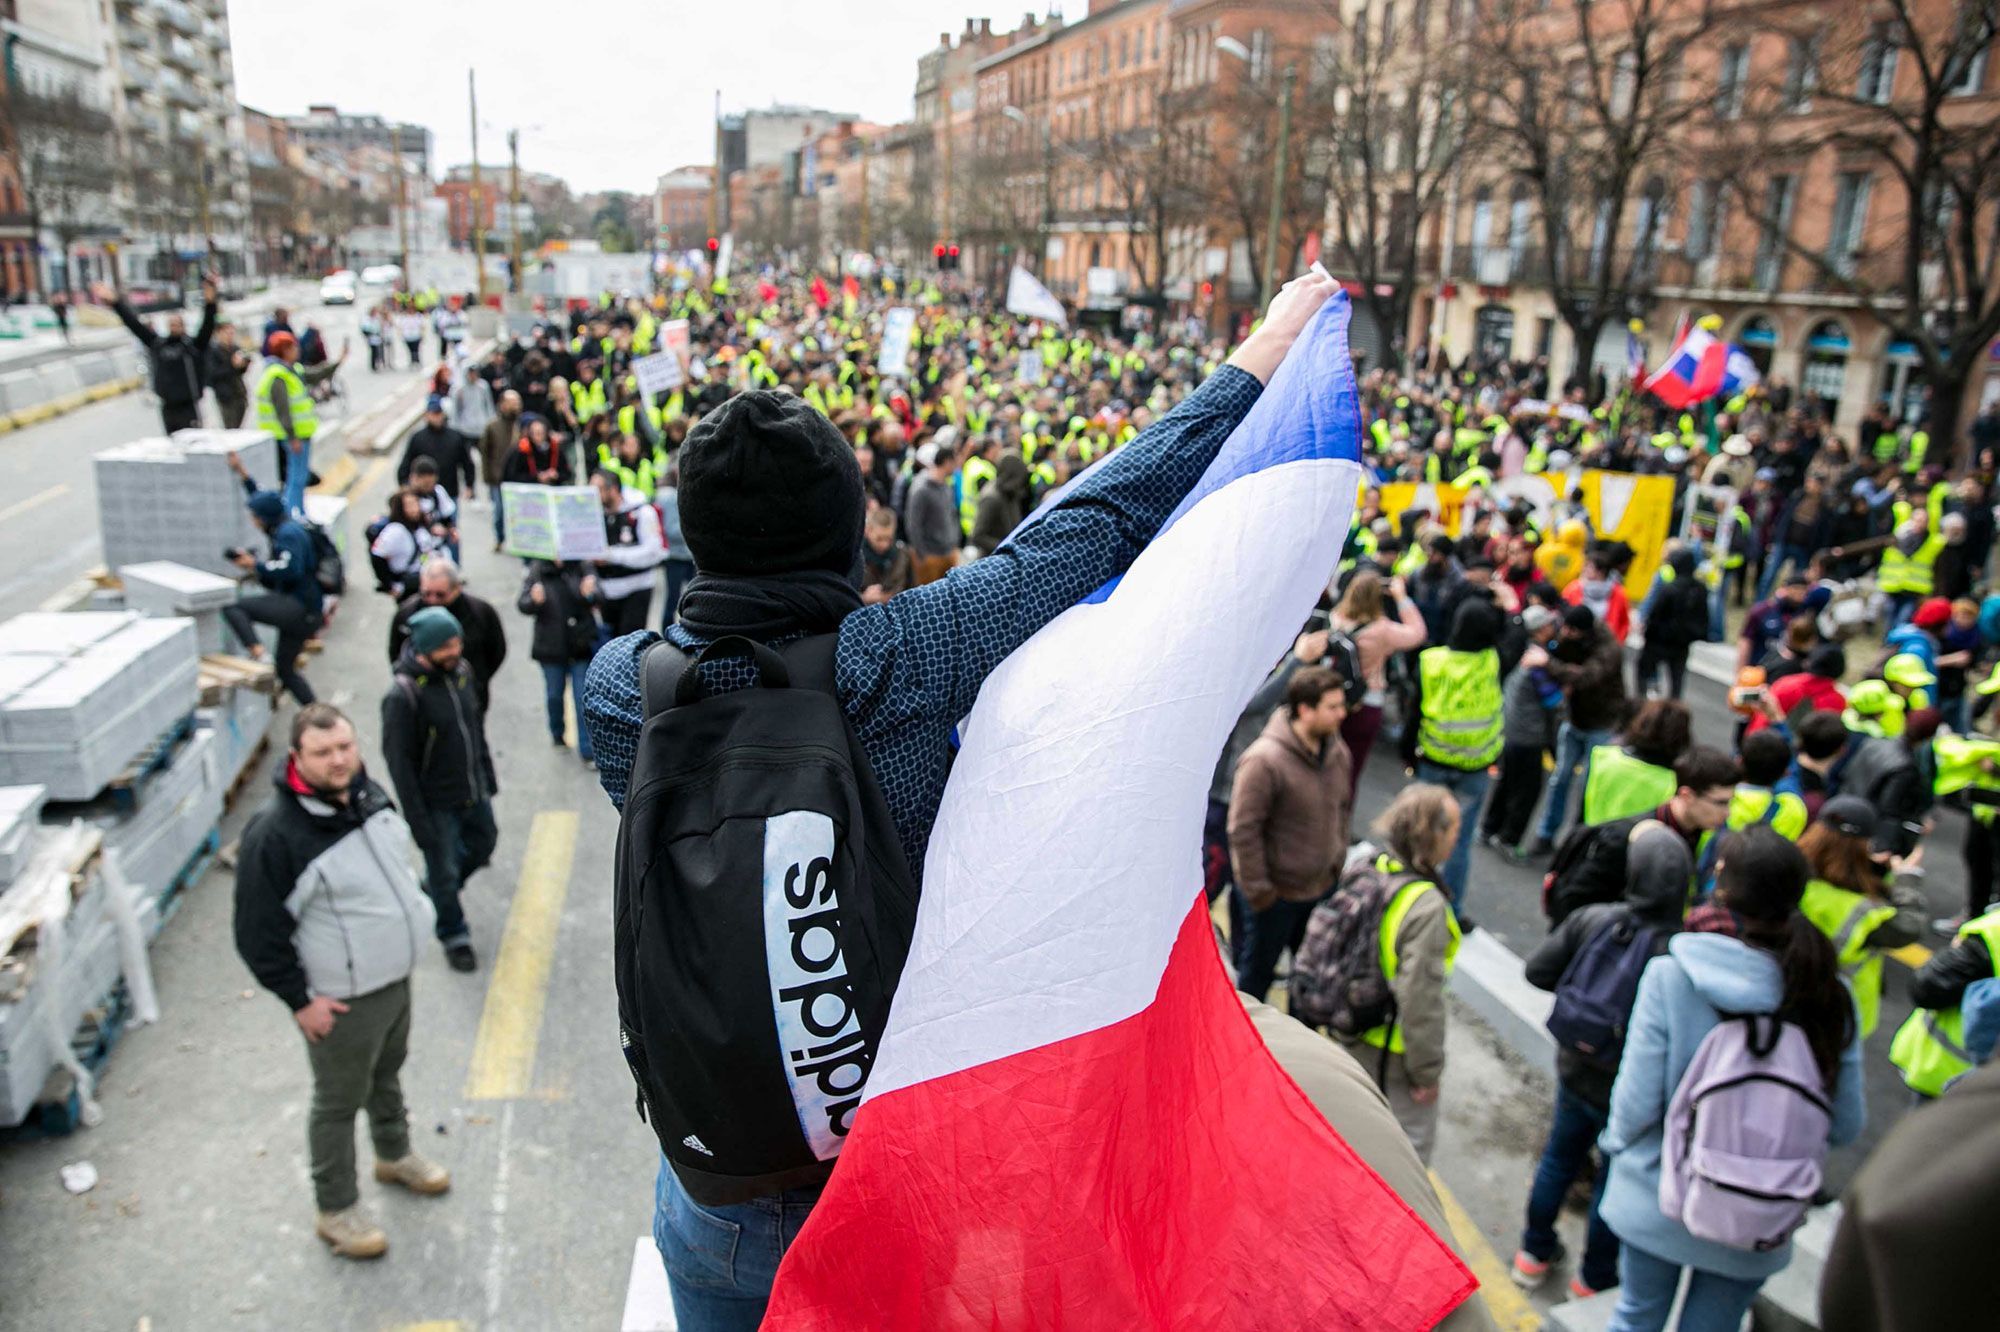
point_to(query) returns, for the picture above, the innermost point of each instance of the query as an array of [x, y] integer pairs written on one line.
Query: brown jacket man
[[1288, 813]]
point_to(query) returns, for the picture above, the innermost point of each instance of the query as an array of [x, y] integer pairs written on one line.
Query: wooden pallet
[[151, 761], [221, 672]]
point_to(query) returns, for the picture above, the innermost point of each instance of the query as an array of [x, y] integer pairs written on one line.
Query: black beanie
[[769, 486]]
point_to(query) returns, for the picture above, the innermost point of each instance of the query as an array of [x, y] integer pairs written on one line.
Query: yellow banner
[[1623, 506]]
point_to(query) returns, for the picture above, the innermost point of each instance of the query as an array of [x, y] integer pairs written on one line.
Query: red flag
[[766, 291], [821, 296], [851, 286]]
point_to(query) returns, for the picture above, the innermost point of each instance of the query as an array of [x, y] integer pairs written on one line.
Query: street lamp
[[1230, 46], [1020, 117]]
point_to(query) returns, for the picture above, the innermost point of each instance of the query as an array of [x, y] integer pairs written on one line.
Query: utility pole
[[716, 183], [514, 210], [403, 218], [1277, 189], [478, 196], [864, 196], [944, 218]]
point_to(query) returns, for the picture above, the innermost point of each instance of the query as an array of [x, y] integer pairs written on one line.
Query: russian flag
[[1694, 370], [1071, 1121]]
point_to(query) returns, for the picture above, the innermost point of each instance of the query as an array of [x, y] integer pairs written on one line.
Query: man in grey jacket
[[930, 523], [330, 917]]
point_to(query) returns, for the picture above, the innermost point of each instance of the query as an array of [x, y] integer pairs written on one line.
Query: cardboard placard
[[553, 522], [658, 373]]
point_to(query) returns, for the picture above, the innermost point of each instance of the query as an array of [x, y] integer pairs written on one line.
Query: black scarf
[[810, 601]]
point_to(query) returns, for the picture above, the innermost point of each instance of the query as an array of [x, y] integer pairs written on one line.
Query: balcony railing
[[178, 16], [181, 52]]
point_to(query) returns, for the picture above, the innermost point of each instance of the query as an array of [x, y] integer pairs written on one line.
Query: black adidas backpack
[[763, 916]]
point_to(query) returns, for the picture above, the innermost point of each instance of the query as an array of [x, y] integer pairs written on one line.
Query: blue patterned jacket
[[907, 670]]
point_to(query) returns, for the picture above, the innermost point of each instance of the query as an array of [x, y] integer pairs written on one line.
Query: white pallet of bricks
[[60, 957], [176, 499], [83, 695], [162, 589]]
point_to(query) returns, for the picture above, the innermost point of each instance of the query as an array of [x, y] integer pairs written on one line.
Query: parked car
[[337, 289], [381, 275]]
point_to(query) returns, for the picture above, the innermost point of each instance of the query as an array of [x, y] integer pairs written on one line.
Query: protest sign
[[658, 373], [898, 326], [1030, 371], [553, 522]]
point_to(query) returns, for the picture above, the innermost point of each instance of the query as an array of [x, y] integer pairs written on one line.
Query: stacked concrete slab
[[176, 499], [239, 723], [20, 807], [160, 831], [51, 989], [83, 696], [162, 589]]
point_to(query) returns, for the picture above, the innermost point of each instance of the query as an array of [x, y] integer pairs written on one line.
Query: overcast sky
[[606, 93]]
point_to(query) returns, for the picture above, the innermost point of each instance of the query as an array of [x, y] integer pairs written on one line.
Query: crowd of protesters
[[1508, 665]]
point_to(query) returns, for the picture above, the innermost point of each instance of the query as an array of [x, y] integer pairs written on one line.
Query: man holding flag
[[771, 506]]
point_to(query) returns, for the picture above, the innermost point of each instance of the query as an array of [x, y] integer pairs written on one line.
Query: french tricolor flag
[[1698, 368], [1071, 1122]]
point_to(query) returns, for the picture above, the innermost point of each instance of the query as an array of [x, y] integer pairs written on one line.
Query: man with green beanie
[[434, 738]]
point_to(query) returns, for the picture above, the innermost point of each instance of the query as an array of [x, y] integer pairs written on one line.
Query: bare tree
[[1396, 115], [1590, 108], [1141, 164], [1885, 94], [69, 162], [1237, 169], [998, 186]]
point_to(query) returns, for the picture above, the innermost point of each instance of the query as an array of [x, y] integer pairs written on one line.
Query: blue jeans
[[1263, 936], [721, 1261], [1573, 748], [1646, 1296], [457, 845], [1781, 555], [554, 676], [1469, 789], [1564, 1157]]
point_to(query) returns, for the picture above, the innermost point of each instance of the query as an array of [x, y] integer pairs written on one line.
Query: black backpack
[[1343, 660], [763, 915], [329, 570]]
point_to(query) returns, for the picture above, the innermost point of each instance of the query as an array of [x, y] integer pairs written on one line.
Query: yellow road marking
[[33, 502], [1504, 1300], [1911, 955], [372, 475], [503, 1056]]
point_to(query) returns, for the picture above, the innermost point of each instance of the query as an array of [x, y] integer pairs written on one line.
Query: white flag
[[1025, 296]]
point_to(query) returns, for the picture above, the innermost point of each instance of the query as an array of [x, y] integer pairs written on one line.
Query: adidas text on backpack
[[1745, 1144], [763, 916]]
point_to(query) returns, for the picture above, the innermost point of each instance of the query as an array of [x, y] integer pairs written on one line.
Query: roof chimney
[[944, 39], [1029, 22], [971, 27], [986, 27]]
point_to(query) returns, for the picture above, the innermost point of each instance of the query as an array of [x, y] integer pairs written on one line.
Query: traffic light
[[951, 258], [714, 245], [1207, 290], [937, 253]]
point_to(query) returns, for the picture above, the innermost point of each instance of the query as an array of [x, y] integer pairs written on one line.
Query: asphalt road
[[48, 506]]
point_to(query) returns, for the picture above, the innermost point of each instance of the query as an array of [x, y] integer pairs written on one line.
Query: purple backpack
[[1745, 1144]]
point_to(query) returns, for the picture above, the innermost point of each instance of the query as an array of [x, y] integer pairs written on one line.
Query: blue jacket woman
[[1748, 951]]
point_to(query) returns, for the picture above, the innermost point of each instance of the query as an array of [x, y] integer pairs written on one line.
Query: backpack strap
[[665, 680], [660, 671]]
